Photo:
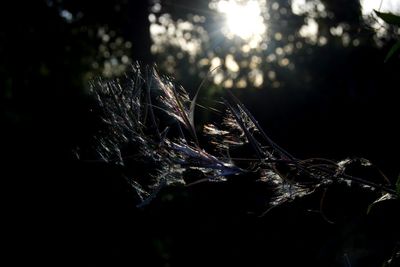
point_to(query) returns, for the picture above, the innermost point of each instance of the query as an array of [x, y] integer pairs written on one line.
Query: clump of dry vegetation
[[150, 128]]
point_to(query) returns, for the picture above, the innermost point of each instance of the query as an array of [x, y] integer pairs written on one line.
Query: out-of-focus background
[[311, 71]]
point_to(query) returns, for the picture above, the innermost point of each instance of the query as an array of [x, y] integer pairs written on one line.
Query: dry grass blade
[[135, 108], [259, 128], [249, 136]]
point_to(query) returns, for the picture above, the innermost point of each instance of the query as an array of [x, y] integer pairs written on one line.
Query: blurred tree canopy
[[49, 52], [319, 65]]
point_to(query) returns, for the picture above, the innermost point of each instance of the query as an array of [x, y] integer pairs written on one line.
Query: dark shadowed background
[[312, 73]]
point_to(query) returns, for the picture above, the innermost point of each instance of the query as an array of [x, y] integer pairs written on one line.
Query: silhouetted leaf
[[392, 51], [389, 18]]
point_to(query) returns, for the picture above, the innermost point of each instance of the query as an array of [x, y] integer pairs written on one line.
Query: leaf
[[389, 18], [392, 51], [398, 186]]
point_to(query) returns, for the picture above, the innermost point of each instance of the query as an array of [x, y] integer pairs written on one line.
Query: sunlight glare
[[368, 6], [384, 6], [243, 19]]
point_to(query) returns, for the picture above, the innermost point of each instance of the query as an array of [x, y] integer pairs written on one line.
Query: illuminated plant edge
[[150, 126]]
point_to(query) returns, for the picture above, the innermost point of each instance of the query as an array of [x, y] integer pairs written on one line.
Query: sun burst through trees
[[243, 19]]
